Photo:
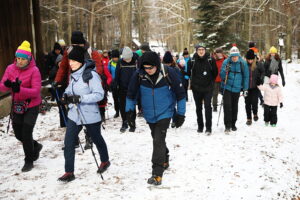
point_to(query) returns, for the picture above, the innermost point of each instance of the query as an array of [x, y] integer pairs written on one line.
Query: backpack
[[164, 71]]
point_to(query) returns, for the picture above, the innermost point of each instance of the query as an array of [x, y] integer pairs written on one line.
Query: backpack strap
[[165, 70]]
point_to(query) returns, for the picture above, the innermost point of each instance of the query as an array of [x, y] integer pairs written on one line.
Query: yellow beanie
[[25, 46], [24, 51], [273, 50]]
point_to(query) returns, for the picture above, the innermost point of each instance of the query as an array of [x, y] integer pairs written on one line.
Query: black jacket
[[123, 74], [203, 72], [268, 72], [258, 73]]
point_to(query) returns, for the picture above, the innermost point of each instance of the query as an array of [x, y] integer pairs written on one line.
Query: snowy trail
[[256, 162]]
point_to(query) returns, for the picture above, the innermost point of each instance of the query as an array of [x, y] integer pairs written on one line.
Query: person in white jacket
[[273, 97]]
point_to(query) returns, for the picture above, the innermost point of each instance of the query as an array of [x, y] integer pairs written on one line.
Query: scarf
[[274, 65]]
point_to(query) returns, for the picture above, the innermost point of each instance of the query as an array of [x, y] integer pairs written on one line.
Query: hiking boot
[[249, 122], [273, 125], [132, 129], [116, 115], [266, 123], [200, 130], [215, 109], [154, 180], [234, 128], [166, 165], [227, 130], [27, 167], [103, 167], [124, 127], [37, 149], [67, 177], [255, 118], [173, 125], [208, 131]]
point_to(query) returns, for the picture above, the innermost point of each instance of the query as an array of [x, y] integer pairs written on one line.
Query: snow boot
[[124, 127], [200, 130], [27, 167], [103, 167], [266, 123], [37, 149], [273, 125], [255, 118], [173, 125], [249, 122], [132, 129], [234, 128], [227, 130], [154, 180], [67, 177], [208, 131]]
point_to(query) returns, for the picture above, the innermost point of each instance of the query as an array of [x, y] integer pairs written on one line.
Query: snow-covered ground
[[256, 162]]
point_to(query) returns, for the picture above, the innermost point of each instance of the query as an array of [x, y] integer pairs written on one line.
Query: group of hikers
[[81, 78]]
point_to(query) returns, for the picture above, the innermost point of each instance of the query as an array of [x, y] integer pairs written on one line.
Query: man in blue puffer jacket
[[159, 88], [235, 78]]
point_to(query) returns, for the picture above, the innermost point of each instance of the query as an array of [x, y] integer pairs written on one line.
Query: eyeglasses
[[149, 67]]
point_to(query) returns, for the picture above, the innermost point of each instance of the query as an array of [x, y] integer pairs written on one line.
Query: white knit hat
[[234, 51]]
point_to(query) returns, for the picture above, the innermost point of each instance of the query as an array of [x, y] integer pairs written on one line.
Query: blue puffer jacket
[[238, 78], [112, 68], [157, 99], [90, 93]]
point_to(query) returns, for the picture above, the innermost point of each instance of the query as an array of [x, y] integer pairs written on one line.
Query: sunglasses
[[149, 67]]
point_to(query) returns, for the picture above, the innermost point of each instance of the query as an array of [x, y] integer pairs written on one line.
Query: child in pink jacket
[[272, 97]]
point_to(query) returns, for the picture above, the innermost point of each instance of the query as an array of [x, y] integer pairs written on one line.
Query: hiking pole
[[86, 133], [226, 77], [11, 112]]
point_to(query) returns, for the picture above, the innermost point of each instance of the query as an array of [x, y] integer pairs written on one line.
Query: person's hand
[[130, 115], [15, 86], [281, 105], [245, 93], [8, 83], [179, 120], [75, 99], [54, 85]]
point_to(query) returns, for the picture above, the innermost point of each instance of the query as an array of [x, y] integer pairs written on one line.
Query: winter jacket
[[238, 75], [203, 72], [105, 61], [157, 99], [90, 93], [258, 73], [124, 72], [272, 94], [219, 63], [31, 83], [186, 77], [112, 68], [268, 72], [51, 65]]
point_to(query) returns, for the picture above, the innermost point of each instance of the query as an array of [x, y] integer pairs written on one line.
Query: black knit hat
[[77, 38], [168, 58], [115, 53], [57, 46], [185, 52], [150, 58], [251, 44], [145, 47], [250, 55], [77, 54]]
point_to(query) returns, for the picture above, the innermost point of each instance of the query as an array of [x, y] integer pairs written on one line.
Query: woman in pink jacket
[[23, 80], [272, 97]]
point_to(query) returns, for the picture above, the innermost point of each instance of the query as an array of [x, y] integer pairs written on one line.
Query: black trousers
[[231, 102], [270, 114], [122, 103], [160, 153], [251, 102], [116, 100], [185, 83], [199, 97], [23, 125]]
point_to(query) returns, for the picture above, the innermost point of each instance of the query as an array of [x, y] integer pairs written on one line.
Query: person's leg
[[227, 106], [215, 95], [235, 106], [248, 106], [254, 102], [208, 110], [273, 115], [266, 113], [116, 102], [198, 97]]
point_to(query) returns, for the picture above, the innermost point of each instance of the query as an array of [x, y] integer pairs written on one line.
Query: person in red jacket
[[23, 79], [219, 57]]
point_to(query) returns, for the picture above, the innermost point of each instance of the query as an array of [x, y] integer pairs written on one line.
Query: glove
[[8, 83], [130, 116], [15, 86], [281, 105], [283, 82], [227, 69], [245, 93], [258, 81], [75, 99], [54, 85], [179, 119]]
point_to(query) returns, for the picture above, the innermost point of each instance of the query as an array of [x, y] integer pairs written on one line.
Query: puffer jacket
[[31, 83], [238, 78], [272, 94], [90, 93]]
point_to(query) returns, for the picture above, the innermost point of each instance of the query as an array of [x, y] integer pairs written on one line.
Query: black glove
[[54, 85], [179, 119], [281, 105], [15, 86], [75, 99], [130, 116], [245, 93], [8, 83], [283, 82], [258, 81]]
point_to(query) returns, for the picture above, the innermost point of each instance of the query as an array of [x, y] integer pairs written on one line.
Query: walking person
[[82, 95], [115, 56], [256, 71], [235, 78], [159, 88], [23, 79], [273, 97], [203, 72]]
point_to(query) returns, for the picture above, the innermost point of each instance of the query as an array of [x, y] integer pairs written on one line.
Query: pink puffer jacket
[[30, 86], [272, 95]]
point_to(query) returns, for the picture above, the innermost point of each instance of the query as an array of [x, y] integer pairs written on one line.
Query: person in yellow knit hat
[[273, 64], [23, 79]]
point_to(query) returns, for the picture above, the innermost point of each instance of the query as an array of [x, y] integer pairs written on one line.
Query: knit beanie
[[251, 44], [273, 50], [57, 46], [127, 53], [150, 58], [145, 47], [250, 55], [201, 44], [185, 52], [115, 53], [274, 79], [77, 54], [168, 58], [61, 42], [24, 50], [234, 51], [77, 38]]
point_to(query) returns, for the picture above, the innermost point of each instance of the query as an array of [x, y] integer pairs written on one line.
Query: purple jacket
[[30, 86]]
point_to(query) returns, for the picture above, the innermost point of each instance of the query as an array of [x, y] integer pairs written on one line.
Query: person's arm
[[97, 92], [108, 76], [245, 75], [280, 69], [214, 68], [132, 92]]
